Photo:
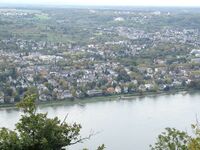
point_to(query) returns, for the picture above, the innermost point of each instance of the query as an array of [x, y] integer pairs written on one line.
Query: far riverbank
[[82, 101]]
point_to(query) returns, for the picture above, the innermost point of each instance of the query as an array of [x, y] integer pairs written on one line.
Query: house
[[94, 92], [43, 97], [125, 89], [148, 86], [65, 95], [188, 81], [149, 70], [142, 88], [12, 100], [118, 89], [195, 60], [42, 88], [119, 19], [1, 100], [110, 90], [195, 52], [135, 82], [176, 83]]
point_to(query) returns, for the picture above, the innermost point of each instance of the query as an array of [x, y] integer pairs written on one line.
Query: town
[[73, 53]]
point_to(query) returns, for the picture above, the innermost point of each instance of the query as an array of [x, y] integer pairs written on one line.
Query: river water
[[122, 124]]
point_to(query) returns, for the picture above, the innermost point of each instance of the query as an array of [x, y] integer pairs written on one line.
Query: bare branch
[[64, 119], [83, 139], [197, 121]]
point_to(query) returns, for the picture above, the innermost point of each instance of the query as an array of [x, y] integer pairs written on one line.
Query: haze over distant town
[[108, 2]]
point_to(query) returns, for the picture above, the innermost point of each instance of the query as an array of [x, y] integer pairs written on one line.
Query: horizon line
[[93, 5]]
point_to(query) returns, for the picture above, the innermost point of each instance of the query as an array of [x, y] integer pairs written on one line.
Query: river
[[122, 124]]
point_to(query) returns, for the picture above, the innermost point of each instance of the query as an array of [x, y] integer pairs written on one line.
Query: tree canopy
[[173, 139], [35, 131]]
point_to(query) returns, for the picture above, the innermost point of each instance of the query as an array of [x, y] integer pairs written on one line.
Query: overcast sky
[[109, 2]]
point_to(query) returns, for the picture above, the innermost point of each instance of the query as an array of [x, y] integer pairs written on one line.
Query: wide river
[[122, 124]]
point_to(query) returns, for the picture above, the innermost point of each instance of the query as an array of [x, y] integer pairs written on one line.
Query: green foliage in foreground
[[173, 139], [35, 131]]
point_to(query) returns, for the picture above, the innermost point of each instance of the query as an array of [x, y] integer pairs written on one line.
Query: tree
[[122, 75], [35, 131], [174, 139], [194, 85]]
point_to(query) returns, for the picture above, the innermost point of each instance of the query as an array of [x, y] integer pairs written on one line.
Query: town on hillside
[[63, 54]]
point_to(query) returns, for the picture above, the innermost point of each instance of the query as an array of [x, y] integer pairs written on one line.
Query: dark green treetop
[[35, 131]]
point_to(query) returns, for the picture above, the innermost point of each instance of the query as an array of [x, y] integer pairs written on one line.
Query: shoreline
[[82, 101]]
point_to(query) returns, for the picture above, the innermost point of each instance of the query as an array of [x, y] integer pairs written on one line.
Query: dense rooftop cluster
[[61, 55]]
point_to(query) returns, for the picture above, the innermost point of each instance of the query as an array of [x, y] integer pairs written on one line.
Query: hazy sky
[[109, 2]]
